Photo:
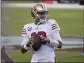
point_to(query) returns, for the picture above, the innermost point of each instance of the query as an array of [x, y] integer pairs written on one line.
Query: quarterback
[[48, 29]]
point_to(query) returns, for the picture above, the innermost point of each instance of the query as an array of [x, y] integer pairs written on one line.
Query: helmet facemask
[[42, 16]]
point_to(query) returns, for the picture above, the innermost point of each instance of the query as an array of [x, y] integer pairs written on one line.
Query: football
[[36, 42]]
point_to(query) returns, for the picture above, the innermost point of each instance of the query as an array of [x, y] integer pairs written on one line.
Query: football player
[[48, 29]]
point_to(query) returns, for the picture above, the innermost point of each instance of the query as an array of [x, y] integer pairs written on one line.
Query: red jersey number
[[41, 33]]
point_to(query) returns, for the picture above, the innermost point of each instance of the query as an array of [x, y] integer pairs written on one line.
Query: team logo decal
[[29, 28]]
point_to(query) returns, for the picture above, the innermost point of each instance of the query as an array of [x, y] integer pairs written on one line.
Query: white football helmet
[[39, 12]]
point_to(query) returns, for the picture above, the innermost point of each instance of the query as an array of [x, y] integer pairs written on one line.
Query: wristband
[[25, 47]]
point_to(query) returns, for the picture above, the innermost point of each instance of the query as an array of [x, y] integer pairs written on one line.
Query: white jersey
[[50, 28]]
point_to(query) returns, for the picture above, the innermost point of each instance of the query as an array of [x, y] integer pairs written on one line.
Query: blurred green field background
[[61, 56], [70, 21]]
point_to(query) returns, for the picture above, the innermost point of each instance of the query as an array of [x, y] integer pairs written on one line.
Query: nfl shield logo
[[29, 28]]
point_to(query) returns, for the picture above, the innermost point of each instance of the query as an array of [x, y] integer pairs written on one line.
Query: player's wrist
[[28, 44], [48, 41], [26, 47], [60, 44], [45, 41]]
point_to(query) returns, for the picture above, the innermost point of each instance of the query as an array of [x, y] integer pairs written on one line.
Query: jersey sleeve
[[55, 34], [25, 37], [56, 30], [55, 26], [24, 31]]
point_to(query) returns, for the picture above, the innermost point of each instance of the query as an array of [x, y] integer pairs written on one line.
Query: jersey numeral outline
[[40, 33]]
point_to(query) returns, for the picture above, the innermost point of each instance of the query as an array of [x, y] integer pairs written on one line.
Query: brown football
[[36, 42]]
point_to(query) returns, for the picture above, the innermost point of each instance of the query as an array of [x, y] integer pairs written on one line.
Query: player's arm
[[25, 45], [56, 41], [24, 48]]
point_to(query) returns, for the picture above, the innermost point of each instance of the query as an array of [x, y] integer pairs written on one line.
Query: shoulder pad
[[28, 25], [52, 21]]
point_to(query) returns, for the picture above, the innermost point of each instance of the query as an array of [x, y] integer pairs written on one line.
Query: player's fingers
[[42, 40], [31, 43], [30, 39], [42, 37]]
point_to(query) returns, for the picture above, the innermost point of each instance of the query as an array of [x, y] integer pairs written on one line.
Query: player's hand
[[60, 44], [30, 42], [44, 40]]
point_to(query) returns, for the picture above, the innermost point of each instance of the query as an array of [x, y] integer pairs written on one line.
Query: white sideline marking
[[16, 40]]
